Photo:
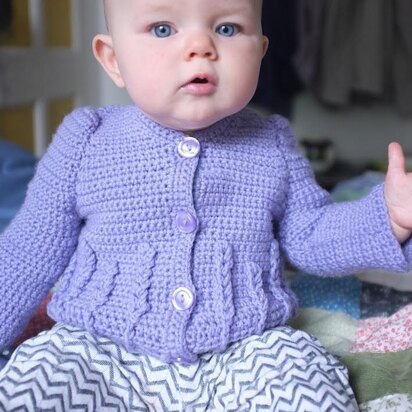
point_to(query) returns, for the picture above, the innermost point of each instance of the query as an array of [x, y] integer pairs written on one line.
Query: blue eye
[[162, 30], [227, 29]]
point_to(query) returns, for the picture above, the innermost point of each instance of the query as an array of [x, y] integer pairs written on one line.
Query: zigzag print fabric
[[67, 369]]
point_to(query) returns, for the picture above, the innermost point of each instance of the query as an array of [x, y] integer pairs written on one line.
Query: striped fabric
[[67, 369]]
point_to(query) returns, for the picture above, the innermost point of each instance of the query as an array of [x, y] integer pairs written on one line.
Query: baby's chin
[[190, 123]]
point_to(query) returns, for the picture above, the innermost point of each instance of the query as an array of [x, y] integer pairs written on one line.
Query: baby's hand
[[398, 193]]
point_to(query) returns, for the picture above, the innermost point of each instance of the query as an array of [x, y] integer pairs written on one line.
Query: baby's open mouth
[[200, 80], [200, 85]]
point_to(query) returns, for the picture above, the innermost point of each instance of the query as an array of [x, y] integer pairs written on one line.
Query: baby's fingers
[[396, 159]]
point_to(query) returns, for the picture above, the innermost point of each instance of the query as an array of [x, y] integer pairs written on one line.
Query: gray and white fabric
[[67, 369]]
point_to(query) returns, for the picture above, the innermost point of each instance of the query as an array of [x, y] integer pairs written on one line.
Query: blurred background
[[339, 70]]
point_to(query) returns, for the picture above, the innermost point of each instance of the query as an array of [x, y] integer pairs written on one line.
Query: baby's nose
[[200, 45]]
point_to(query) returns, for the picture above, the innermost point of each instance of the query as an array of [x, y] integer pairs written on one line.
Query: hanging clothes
[[309, 19], [363, 51], [352, 55], [403, 55]]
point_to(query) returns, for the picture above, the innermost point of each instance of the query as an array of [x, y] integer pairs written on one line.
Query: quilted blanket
[[366, 320]]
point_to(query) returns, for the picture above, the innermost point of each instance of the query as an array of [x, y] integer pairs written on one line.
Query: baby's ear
[[104, 52], [265, 45]]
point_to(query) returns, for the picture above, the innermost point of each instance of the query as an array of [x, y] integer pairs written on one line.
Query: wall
[[95, 88], [359, 133], [91, 79], [98, 88]]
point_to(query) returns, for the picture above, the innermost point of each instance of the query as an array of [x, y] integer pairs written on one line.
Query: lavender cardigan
[[173, 246]]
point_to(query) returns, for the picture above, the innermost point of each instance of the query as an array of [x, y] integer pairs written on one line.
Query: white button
[[189, 147], [182, 299]]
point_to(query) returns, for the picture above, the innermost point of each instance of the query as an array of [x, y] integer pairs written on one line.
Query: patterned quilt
[[364, 319], [369, 327]]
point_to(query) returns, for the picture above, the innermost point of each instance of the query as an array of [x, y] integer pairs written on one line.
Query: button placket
[[183, 296], [185, 220]]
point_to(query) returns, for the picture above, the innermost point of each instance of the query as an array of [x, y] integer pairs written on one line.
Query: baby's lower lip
[[199, 89]]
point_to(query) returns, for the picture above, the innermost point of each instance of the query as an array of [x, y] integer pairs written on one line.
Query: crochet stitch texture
[[175, 256]]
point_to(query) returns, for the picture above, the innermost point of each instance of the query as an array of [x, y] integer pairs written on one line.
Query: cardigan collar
[[217, 130]]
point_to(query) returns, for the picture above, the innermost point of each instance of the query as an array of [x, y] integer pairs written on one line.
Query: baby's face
[[186, 63]]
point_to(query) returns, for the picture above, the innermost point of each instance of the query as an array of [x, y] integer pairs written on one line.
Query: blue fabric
[[382, 301], [16, 170], [357, 187], [4, 357], [3, 361], [333, 294]]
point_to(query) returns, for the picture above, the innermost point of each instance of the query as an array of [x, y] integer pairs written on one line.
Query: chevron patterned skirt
[[67, 369]]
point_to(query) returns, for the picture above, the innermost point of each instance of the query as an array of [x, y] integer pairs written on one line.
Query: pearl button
[[189, 147], [186, 222], [182, 299]]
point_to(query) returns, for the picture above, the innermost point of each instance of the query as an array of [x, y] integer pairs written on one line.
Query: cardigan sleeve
[[327, 238], [37, 245]]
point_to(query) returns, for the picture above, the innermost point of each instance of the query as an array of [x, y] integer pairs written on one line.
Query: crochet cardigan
[[173, 246]]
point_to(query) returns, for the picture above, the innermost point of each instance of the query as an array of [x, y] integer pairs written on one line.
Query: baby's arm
[[36, 246], [327, 238], [398, 193]]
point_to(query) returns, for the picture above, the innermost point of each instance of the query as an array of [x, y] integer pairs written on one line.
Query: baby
[[169, 220]]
